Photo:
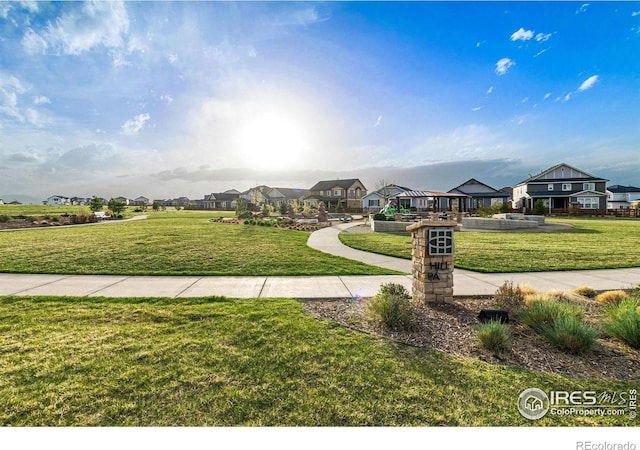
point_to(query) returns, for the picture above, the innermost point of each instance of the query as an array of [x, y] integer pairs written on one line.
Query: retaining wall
[[479, 223], [383, 226]]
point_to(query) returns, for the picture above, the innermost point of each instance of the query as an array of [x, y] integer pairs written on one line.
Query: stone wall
[[478, 223], [519, 216], [382, 226]]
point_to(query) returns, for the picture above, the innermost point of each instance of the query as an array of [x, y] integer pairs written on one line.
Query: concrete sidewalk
[[466, 283]]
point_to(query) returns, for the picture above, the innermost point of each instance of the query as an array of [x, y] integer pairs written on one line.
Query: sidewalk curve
[[466, 283]]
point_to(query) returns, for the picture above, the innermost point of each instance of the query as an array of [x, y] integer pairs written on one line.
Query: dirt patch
[[450, 328]]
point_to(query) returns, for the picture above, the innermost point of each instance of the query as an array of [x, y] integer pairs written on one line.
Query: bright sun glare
[[270, 142]]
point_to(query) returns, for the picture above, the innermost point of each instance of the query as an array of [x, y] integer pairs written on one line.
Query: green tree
[[538, 207], [116, 206], [283, 208], [241, 206], [156, 206], [95, 204]]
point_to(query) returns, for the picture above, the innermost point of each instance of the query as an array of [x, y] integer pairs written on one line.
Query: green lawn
[[222, 362], [590, 244], [170, 243]]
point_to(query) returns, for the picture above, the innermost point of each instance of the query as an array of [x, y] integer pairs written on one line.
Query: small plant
[[570, 334], [611, 297], [379, 216], [540, 313], [509, 298], [493, 335], [392, 308], [623, 321], [4, 218], [585, 291]]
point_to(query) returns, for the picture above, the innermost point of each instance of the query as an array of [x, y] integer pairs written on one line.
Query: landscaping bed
[[450, 328]]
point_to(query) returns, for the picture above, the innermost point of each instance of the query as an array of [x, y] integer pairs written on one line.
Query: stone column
[[432, 260]]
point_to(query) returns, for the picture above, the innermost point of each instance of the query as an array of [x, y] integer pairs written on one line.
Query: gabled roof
[[618, 189], [291, 193], [571, 174], [417, 194], [222, 197], [330, 184], [486, 191]]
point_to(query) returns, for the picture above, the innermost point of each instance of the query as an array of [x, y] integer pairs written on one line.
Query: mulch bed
[[450, 328]]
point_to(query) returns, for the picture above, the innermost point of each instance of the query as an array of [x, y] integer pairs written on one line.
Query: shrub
[[540, 313], [4, 218], [379, 216], [585, 291], [509, 298], [623, 321], [392, 308], [611, 297], [245, 215], [493, 335], [570, 334]]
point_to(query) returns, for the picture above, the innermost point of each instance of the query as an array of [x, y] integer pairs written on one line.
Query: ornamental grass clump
[[586, 291], [570, 333], [391, 308], [509, 298], [543, 311], [494, 335], [611, 297], [623, 321]]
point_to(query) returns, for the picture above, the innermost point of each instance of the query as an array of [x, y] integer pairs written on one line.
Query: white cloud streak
[[503, 65], [135, 125], [522, 35], [588, 83]]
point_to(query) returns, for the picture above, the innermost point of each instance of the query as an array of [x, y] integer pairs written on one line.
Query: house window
[[321, 193], [328, 194], [550, 187], [588, 186], [566, 186], [374, 203], [337, 193], [589, 202]]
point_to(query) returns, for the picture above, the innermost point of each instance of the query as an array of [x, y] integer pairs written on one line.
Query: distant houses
[[560, 188]]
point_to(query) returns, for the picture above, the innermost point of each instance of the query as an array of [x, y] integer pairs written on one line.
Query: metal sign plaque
[[440, 242]]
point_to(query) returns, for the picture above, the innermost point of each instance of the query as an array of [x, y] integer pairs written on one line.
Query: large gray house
[[562, 187]]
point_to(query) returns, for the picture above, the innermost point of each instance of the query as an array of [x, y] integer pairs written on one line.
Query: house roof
[[488, 191], [291, 193], [417, 194], [618, 189], [540, 177], [222, 197], [329, 184]]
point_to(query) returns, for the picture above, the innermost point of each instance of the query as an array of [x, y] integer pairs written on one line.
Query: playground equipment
[[392, 208]]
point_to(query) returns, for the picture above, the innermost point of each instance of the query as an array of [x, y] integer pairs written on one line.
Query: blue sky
[[165, 99]]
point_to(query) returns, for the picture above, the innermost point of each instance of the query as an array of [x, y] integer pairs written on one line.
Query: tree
[[156, 205], [538, 207], [383, 187], [95, 204], [283, 208], [116, 206], [241, 206]]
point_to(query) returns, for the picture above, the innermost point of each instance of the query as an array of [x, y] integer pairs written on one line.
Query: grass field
[[590, 244], [161, 362], [171, 243]]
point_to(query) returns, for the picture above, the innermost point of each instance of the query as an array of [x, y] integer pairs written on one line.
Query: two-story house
[[57, 200], [223, 200], [334, 193], [622, 197], [562, 187]]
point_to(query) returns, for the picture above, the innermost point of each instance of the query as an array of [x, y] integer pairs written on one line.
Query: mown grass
[[170, 243], [224, 362], [590, 244]]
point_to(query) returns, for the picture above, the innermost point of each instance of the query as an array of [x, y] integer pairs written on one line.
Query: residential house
[[140, 201], [256, 196], [479, 195], [423, 201], [622, 197], [1, 202], [376, 200], [345, 193], [562, 187], [57, 200], [124, 200], [80, 201], [278, 196], [222, 200]]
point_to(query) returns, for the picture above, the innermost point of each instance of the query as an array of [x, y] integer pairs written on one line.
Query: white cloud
[[522, 35], [378, 121], [588, 83], [135, 125], [503, 65], [582, 8], [541, 37], [540, 52], [477, 108], [490, 90], [82, 29], [167, 98], [547, 95], [41, 100], [635, 13]]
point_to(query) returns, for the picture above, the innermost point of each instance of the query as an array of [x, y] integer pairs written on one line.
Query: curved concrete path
[[465, 283]]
